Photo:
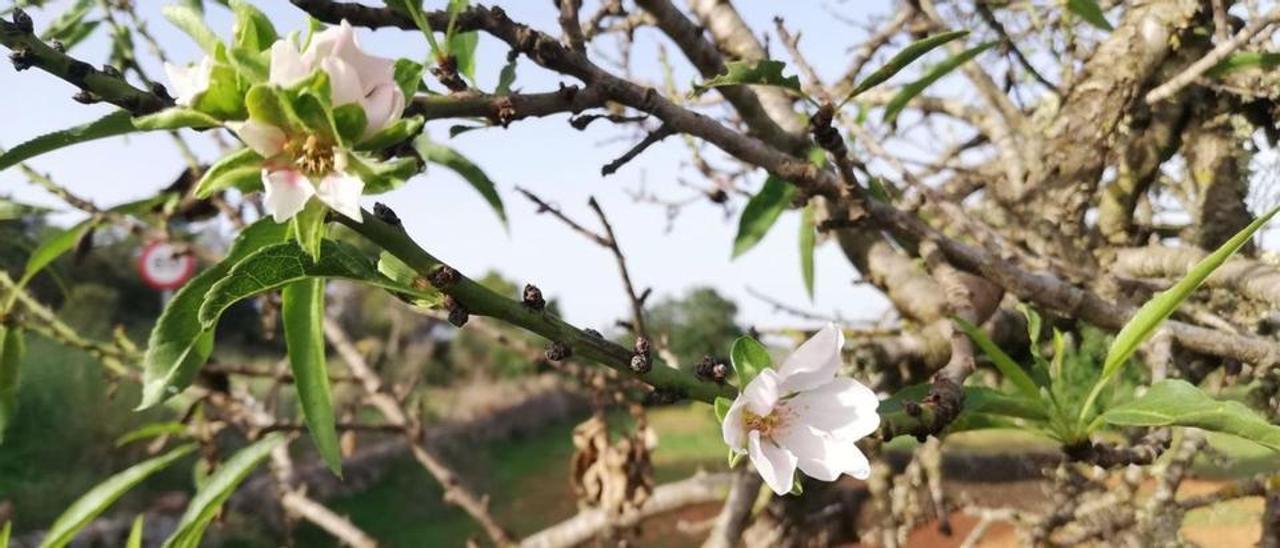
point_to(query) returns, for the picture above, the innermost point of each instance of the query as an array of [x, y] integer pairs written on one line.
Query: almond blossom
[[354, 76], [298, 167], [191, 81], [804, 416]]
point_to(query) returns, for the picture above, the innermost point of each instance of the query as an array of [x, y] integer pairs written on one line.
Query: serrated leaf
[[766, 72], [904, 58], [910, 91], [382, 176], [192, 22], [278, 265], [12, 352], [93, 503], [1091, 12], [302, 313], [241, 169], [1175, 402], [1008, 368], [119, 122], [808, 239], [176, 118], [761, 212], [53, 247], [206, 502], [722, 406], [450, 158], [179, 342], [749, 358]]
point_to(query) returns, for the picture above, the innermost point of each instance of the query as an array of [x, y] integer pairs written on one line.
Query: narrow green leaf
[[1265, 60], [722, 406], [135, 533], [1091, 12], [241, 169], [54, 247], [308, 227], [507, 76], [281, 264], [761, 212], [1009, 368], [179, 342], [808, 239], [749, 358], [152, 430], [209, 498], [383, 176], [11, 210], [1175, 402], [910, 91], [904, 58], [765, 72], [93, 503], [65, 24], [119, 122], [78, 33], [395, 269], [175, 118], [12, 350], [253, 29], [450, 158], [302, 312], [192, 22], [5, 533]]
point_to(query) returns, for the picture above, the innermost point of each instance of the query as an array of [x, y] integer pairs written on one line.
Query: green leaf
[[241, 169], [179, 342], [11, 210], [265, 104], [1091, 12], [175, 118], [722, 406], [192, 22], [507, 76], [253, 30], [135, 534], [77, 34], [408, 76], [281, 264], [206, 502], [396, 270], [308, 227], [735, 458], [253, 65], [1247, 59], [910, 91], [315, 114], [119, 122], [152, 430], [450, 158], [350, 121], [808, 239], [1009, 368], [761, 212], [302, 312], [65, 24], [765, 72], [93, 503], [904, 58], [402, 130], [12, 349], [225, 96], [749, 358], [1175, 402], [54, 247], [5, 533], [379, 176]]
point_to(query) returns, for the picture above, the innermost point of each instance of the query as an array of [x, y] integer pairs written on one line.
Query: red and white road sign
[[164, 267]]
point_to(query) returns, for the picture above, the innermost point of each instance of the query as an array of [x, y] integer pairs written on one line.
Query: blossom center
[[765, 424], [312, 156]]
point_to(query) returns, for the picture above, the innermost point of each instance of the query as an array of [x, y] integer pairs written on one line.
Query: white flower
[[354, 76], [802, 415], [189, 81], [299, 167]]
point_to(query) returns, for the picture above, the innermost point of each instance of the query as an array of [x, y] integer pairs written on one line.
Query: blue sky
[[547, 156]]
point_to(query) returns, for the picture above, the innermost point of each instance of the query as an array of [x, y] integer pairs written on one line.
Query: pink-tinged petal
[[842, 407], [775, 464], [287, 66], [287, 193], [190, 81], [341, 192], [761, 393], [815, 362], [382, 107], [265, 139], [373, 70], [327, 42], [734, 429], [823, 457], [344, 84]]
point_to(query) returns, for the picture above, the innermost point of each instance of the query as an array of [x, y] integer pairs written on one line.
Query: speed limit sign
[[165, 267]]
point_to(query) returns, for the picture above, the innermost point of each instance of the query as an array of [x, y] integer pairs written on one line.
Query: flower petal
[[815, 362], [842, 407], [265, 139], [776, 465], [382, 107], [287, 65], [344, 83], [372, 70], [733, 429], [190, 81], [761, 394], [823, 457], [287, 193], [341, 191]]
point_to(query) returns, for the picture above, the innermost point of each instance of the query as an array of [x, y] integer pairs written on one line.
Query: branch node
[[21, 59], [558, 351], [532, 298], [443, 277], [642, 359], [458, 314], [712, 370], [23, 21], [385, 214]]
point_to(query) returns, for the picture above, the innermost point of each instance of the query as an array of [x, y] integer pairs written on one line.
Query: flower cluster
[[802, 415]]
